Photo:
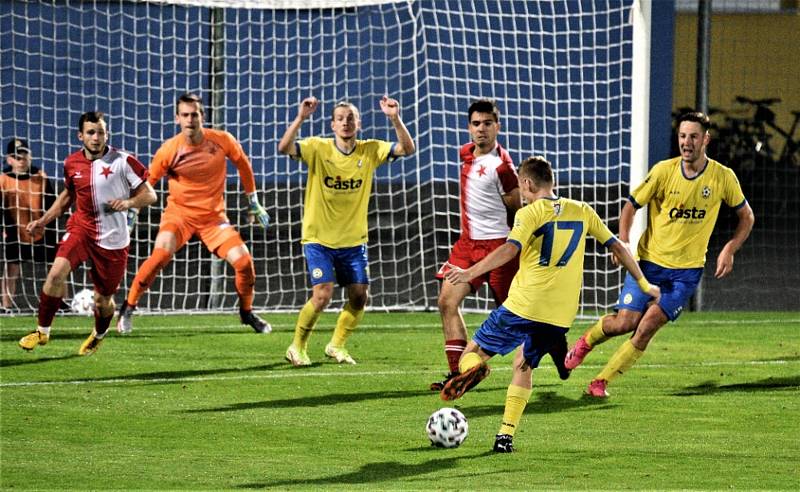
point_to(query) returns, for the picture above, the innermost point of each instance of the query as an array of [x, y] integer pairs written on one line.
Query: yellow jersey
[[338, 189], [551, 234], [682, 211]]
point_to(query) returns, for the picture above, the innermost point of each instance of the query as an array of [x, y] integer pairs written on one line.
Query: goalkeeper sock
[[453, 350], [245, 281], [516, 399], [595, 335], [305, 324], [48, 305], [622, 360], [468, 361], [158, 259], [348, 320]]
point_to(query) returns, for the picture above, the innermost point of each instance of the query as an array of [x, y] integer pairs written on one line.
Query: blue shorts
[[677, 286], [503, 331], [343, 265]]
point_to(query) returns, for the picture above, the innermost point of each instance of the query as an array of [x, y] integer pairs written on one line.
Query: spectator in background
[[102, 183], [26, 194]]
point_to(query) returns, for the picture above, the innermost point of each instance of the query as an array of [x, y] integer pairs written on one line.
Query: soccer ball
[[447, 428], [83, 302]]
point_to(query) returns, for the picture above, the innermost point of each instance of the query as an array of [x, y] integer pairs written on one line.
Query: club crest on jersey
[[360, 163], [706, 192], [106, 171]]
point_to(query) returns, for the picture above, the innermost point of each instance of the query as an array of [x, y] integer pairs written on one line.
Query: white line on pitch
[[315, 374]]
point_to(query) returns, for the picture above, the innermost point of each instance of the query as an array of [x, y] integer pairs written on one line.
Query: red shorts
[[467, 252], [107, 265]]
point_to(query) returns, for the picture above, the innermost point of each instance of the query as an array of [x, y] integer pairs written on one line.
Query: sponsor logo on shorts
[[316, 273], [627, 299]]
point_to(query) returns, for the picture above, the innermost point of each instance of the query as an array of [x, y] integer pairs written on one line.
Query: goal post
[[562, 72]]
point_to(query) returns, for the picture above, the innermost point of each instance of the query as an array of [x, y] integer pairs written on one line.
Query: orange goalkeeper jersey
[[197, 173]]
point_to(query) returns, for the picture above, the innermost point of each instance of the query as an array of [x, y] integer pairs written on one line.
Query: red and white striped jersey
[[484, 181], [92, 184]]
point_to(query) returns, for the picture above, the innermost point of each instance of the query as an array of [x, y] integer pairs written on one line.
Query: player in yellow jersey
[[340, 171], [684, 196], [550, 236]]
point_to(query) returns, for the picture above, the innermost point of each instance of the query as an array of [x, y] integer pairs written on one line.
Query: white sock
[[43, 329]]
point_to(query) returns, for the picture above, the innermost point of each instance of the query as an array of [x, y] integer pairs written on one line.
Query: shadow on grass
[[314, 401], [385, 471], [34, 359], [547, 402], [769, 384]]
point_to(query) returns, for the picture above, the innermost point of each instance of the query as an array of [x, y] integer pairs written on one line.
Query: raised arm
[[287, 144], [740, 235], [405, 144]]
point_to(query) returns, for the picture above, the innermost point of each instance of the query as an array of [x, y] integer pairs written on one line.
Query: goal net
[[560, 71]]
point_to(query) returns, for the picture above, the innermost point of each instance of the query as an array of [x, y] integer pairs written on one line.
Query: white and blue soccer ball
[[447, 428], [83, 302]]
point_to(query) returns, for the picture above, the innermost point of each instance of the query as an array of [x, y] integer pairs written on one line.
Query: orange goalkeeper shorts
[[213, 231]]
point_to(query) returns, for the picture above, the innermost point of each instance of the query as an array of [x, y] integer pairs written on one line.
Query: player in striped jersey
[[683, 195], [102, 183], [549, 234], [340, 171]]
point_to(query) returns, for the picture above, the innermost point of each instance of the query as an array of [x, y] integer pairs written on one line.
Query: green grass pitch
[[199, 402]]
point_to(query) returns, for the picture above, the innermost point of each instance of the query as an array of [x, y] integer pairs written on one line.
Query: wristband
[[644, 284]]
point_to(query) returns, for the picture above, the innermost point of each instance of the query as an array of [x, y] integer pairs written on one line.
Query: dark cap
[[17, 145]]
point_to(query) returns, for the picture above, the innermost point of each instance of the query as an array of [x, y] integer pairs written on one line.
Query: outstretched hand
[[307, 107], [390, 107], [257, 212]]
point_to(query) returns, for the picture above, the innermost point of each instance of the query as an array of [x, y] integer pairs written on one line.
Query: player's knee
[[245, 269], [104, 304], [358, 296], [321, 296]]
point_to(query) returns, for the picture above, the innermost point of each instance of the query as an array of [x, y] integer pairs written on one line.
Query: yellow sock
[[622, 360], [516, 399], [349, 318], [595, 335], [305, 324], [468, 361]]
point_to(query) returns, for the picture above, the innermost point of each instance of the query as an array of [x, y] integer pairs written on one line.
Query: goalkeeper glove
[[257, 211], [131, 215]]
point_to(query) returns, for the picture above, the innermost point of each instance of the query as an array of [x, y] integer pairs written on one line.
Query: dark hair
[[346, 104], [189, 98], [91, 117], [696, 117], [538, 169], [484, 106]]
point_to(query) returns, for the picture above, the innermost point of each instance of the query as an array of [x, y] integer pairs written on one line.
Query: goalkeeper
[[194, 160], [334, 236]]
